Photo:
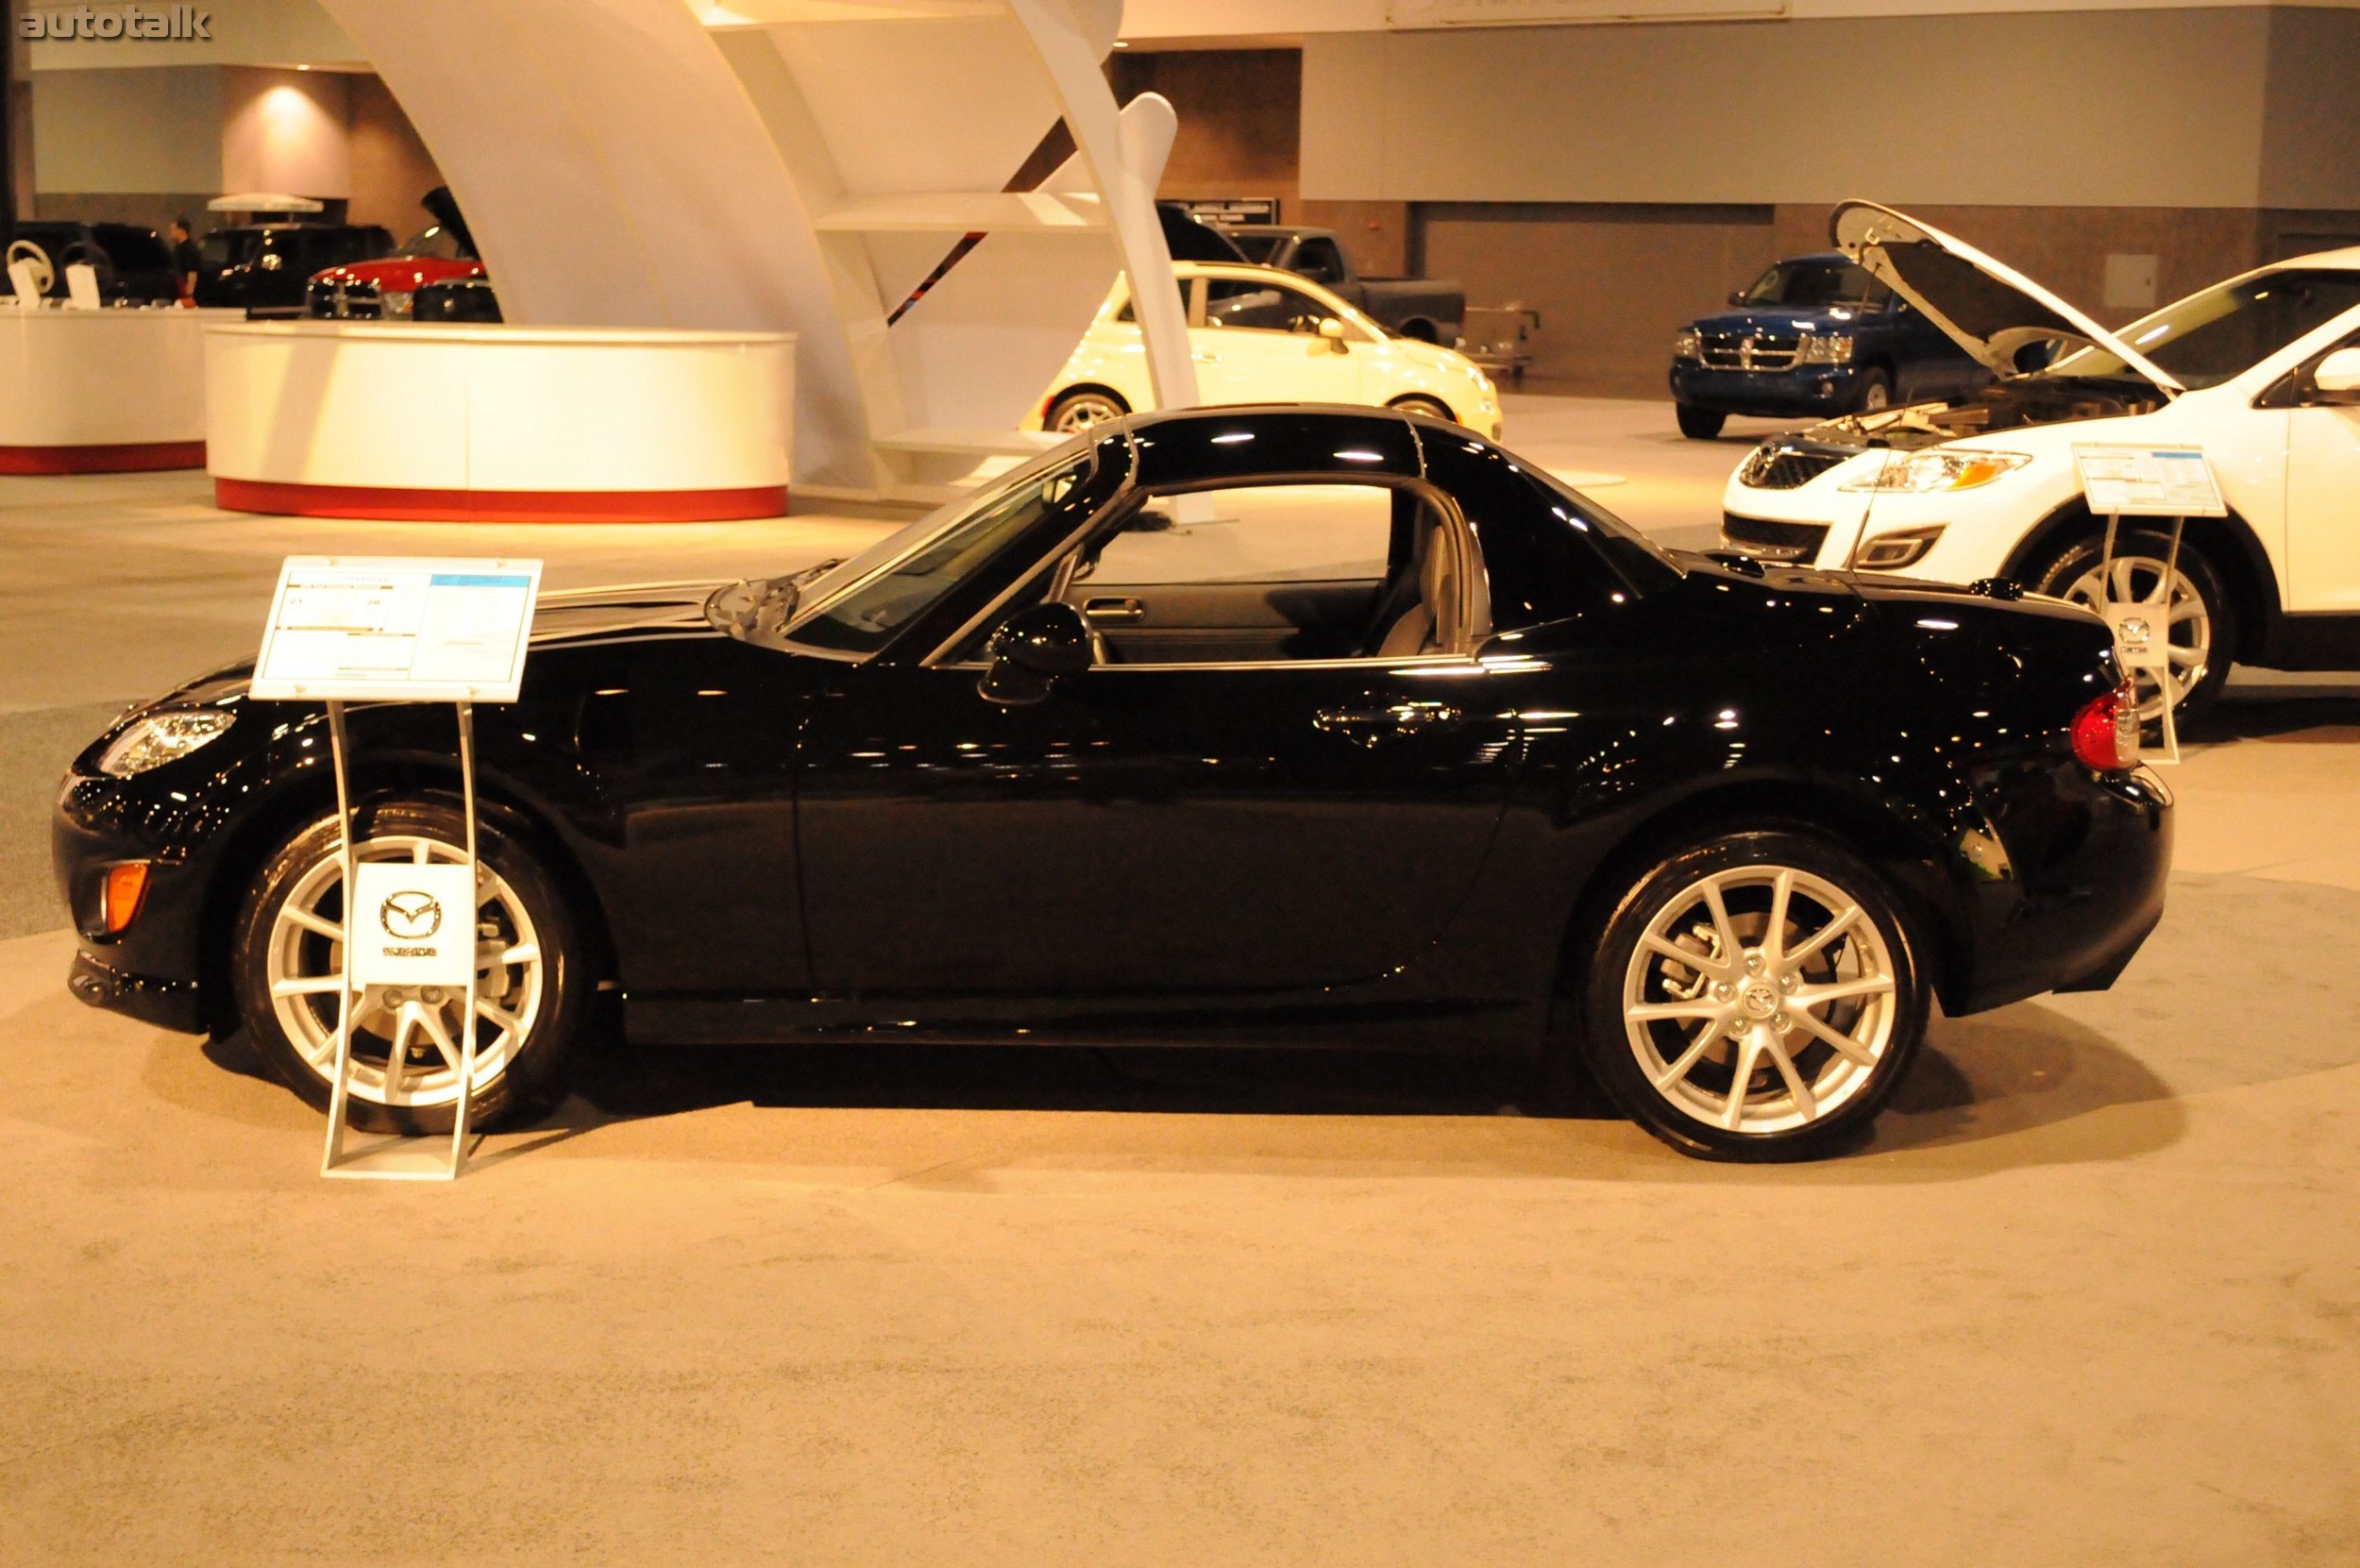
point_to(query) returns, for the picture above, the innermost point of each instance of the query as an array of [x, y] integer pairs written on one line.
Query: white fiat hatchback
[[2261, 372], [1259, 335]]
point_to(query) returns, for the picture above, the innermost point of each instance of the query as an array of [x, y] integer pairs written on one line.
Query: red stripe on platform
[[500, 506], [134, 458]]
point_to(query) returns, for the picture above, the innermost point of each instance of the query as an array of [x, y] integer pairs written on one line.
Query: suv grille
[[1750, 351], [1784, 464], [1773, 541]]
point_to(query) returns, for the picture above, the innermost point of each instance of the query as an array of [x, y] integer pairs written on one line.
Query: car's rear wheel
[[1418, 404], [1078, 411], [2198, 619], [1755, 997], [533, 989], [1699, 424]]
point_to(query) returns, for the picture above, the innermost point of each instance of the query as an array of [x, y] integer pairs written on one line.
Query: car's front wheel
[[2188, 606], [533, 989], [1418, 403], [1875, 395], [1755, 997], [1699, 424]]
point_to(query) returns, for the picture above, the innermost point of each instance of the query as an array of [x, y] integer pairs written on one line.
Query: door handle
[[1374, 725], [1114, 609]]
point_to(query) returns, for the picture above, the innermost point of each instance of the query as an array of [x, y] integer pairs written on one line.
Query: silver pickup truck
[[1427, 309]]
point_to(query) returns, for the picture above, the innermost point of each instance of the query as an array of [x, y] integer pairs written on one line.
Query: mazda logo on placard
[[410, 916]]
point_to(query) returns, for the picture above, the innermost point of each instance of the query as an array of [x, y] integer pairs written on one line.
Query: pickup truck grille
[[1774, 541], [343, 301], [1784, 464], [1748, 351]]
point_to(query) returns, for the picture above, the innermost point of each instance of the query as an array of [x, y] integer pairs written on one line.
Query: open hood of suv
[[1991, 310]]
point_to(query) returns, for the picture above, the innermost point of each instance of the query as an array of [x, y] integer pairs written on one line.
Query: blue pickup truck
[[1815, 335]]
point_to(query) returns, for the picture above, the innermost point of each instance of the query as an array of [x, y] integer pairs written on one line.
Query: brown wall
[[391, 167], [1240, 117]]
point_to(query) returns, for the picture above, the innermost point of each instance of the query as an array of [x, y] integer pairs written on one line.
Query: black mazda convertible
[[1250, 725]]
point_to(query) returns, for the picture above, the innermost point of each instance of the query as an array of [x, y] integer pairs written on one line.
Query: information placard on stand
[[345, 628], [2121, 481]]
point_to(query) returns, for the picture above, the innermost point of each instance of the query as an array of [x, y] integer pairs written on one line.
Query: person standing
[[185, 260]]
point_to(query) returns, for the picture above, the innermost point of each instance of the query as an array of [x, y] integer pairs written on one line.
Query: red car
[[385, 289]]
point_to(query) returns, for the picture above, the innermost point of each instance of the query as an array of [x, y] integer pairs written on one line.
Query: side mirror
[[2337, 378], [1737, 297], [1333, 330], [1031, 649]]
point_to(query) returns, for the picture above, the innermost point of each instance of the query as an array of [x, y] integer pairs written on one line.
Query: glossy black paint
[[773, 845]]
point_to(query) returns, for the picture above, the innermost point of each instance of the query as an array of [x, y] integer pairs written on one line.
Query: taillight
[[2106, 733]]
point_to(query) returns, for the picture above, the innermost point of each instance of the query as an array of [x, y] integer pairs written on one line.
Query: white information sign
[[402, 627], [2148, 482], [412, 925]]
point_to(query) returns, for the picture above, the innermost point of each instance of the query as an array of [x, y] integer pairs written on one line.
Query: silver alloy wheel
[[1760, 1000], [405, 1043], [1083, 410], [2187, 624], [1875, 398]]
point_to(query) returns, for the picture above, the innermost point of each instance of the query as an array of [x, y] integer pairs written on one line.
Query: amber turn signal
[[125, 891]]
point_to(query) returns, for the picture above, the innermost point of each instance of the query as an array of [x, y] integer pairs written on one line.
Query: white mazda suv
[[2261, 373]]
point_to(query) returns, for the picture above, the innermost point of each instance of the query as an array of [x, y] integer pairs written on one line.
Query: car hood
[[1781, 318], [1432, 356], [1988, 308], [414, 270]]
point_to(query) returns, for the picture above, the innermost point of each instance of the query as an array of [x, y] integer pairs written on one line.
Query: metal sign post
[[2121, 482], [401, 631]]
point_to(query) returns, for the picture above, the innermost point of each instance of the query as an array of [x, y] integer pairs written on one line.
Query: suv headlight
[[1688, 344], [154, 739], [1938, 471], [1829, 349], [393, 304]]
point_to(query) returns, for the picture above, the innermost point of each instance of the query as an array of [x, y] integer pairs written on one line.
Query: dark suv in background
[[134, 265], [1815, 335], [266, 267]]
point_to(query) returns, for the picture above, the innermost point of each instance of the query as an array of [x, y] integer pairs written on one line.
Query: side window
[[1320, 260], [1267, 533], [1126, 314], [1249, 302]]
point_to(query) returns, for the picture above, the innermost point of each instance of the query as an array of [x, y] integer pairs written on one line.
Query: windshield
[[432, 245], [229, 247], [1257, 247], [1808, 284], [860, 605], [2211, 337]]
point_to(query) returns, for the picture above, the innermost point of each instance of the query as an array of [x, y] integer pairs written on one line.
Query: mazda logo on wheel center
[[410, 916]]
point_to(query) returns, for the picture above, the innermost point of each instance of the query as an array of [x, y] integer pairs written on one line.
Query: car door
[[1182, 824], [2322, 497], [1260, 343]]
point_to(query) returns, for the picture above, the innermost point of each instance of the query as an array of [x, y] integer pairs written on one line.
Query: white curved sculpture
[[90, 392], [804, 166]]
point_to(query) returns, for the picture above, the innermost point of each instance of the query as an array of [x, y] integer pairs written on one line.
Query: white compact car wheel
[[1077, 411]]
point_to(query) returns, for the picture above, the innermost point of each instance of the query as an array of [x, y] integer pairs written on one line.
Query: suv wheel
[[2199, 620], [1700, 424]]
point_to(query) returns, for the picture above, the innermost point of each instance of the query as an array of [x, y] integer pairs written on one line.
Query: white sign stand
[[2122, 481], [400, 629]]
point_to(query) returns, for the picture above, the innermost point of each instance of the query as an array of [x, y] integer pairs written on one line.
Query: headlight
[[1687, 345], [393, 304], [1815, 348], [159, 738], [1937, 471], [1890, 552]]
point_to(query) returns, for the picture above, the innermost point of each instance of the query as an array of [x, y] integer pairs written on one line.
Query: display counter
[[496, 423], [98, 392]]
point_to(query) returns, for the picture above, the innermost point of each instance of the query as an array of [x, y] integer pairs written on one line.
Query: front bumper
[[1804, 390], [166, 1003]]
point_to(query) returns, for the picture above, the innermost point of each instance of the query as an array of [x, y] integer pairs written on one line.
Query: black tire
[[1876, 947], [566, 995], [1097, 400], [1875, 392], [1700, 424], [2072, 568], [1418, 329], [1419, 403]]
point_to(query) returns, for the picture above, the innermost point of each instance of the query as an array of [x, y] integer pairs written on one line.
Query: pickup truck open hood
[[1989, 309]]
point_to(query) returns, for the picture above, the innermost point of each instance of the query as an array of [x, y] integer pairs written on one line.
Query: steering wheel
[[83, 253], [44, 275]]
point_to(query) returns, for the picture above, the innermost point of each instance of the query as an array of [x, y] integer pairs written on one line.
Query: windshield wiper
[[758, 608]]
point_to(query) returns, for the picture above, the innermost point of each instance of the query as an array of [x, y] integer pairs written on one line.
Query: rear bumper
[[2090, 869]]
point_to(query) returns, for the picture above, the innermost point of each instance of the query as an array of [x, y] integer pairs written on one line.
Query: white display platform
[[498, 423], [108, 391]]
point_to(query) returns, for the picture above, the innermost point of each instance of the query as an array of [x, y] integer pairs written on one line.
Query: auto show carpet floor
[[2092, 1296]]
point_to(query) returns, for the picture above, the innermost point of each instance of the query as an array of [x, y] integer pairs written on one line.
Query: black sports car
[[1272, 725]]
